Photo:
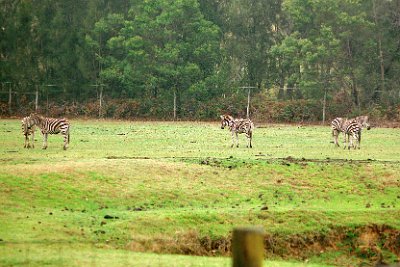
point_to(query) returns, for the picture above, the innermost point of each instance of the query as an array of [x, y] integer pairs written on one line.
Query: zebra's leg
[[359, 140], [249, 137], [233, 139], [44, 140], [25, 141], [237, 139], [355, 141], [66, 138], [351, 140], [33, 139], [335, 134]]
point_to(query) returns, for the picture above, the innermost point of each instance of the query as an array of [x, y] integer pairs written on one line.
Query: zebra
[[352, 133], [238, 126], [338, 126], [51, 126], [28, 130]]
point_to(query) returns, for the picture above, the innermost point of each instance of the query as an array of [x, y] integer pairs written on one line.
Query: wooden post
[[248, 247]]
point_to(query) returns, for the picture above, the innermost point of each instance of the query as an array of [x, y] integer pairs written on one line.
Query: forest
[[299, 60]]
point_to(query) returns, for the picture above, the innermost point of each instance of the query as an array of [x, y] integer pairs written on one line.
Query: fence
[[42, 98]]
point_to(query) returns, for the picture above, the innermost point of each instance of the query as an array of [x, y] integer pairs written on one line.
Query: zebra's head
[[363, 121], [35, 118], [226, 120]]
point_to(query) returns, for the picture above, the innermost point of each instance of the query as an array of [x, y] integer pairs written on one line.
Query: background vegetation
[[137, 55]]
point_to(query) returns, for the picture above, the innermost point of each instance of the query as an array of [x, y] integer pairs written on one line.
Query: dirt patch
[[366, 243], [371, 244], [232, 162]]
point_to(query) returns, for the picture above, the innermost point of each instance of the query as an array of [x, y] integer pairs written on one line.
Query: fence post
[[248, 247]]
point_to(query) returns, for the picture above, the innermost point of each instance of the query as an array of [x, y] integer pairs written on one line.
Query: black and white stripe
[[339, 125], [352, 134], [28, 130], [337, 128], [238, 126], [51, 126]]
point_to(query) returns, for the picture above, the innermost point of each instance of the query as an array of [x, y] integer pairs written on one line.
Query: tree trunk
[[381, 59], [174, 104], [354, 90]]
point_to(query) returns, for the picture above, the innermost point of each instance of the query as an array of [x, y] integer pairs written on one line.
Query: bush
[[263, 109]]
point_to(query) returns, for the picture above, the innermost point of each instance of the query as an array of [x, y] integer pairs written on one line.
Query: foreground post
[[248, 247]]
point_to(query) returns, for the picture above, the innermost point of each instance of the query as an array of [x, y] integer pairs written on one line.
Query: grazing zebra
[[51, 126], [352, 134], [238, 126], [28, 130], [338, 127]]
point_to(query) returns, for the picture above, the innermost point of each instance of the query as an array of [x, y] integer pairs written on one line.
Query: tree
[[165, 45]]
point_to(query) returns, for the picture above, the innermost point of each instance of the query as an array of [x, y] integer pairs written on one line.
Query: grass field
[[126, 190]]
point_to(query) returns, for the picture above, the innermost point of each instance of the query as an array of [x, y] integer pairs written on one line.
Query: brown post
[[248, 247]]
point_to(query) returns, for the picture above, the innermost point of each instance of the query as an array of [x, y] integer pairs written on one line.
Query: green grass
[[172, 187], [83, 255]]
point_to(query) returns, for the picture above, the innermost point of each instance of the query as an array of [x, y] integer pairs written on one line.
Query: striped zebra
[[28, 130], [51, 126], [352, 134], [338, 126], [238, 126]]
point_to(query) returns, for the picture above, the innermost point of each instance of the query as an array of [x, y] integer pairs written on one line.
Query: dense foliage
[[140, 57]]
